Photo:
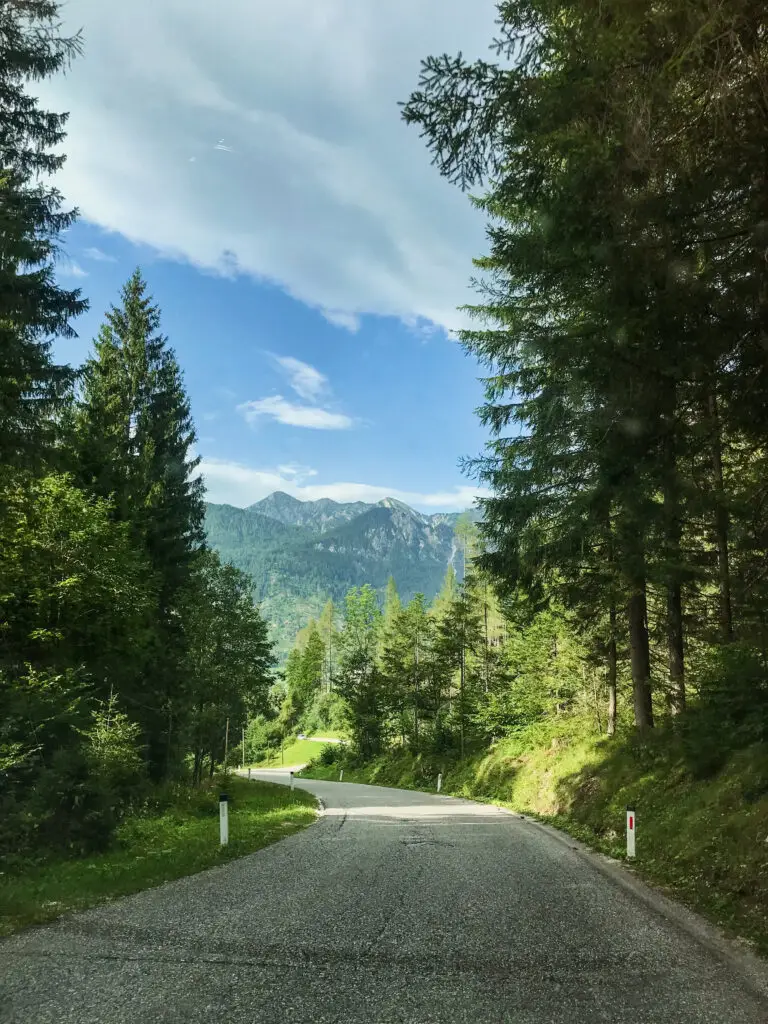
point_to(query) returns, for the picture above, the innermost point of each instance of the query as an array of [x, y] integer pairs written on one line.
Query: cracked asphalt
[[394, 907]]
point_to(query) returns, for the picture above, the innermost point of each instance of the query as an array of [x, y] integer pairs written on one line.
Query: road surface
[[394, 907]]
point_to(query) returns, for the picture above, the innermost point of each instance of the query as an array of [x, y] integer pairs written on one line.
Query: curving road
[[394, 907]]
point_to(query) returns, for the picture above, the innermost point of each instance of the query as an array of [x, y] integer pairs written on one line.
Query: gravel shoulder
[[394, 906]]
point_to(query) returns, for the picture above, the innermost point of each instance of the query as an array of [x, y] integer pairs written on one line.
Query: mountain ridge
[[301, 553]]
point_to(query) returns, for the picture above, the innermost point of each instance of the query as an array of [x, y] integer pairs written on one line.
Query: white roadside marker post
[[341, 775], [249, 773], [291, 780], [223, 819], [439, 781], [631, 828]]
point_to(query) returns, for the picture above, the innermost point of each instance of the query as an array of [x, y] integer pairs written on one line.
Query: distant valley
[[300, 553]]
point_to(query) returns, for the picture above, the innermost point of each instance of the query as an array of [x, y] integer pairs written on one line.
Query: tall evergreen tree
[[134, 438], [327, 631], [360, 678], [33, 308]]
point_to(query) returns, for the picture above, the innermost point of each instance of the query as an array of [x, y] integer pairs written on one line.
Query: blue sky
[[307, 257]]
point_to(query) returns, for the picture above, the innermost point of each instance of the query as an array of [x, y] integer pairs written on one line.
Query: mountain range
[[301, 553]]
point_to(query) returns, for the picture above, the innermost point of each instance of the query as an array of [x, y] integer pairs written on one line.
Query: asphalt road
[[395, 906]]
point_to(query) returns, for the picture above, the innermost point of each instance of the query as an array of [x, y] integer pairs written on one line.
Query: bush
[[333, 753], [73, 808], [115, 755]]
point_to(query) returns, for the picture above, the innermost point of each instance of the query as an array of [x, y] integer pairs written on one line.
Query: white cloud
[[306, 381], [69, 268], [280, 409], [93, 253], [235, 484], [296, 473], [332, 196], [349, 321]]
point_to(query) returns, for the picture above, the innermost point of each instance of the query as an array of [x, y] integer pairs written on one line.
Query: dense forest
[[618, 152], [126, 647]]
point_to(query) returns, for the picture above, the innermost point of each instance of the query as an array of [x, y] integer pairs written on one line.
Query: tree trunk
[[675, 648], [461, 702], [611, 729], [640, 658], [485, 612], [416, 688], [330, 655], [672, 555], [168, 738], [722, 524]]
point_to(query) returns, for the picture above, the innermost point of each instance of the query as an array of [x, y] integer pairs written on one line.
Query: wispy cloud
[[306, 381], [93, 253], [280, 409], [224, 149], [236, 484], [69, 268], [337, 317], [296, 473]]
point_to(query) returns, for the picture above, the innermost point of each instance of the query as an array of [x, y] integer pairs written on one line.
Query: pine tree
[[133, 441], [458, 641], [327, 631], [33, 308], [360, 678], [446, 594]]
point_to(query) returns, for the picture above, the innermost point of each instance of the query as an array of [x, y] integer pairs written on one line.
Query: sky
[[308, 259]]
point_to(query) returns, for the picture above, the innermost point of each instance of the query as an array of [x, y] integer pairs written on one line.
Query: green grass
[[702, 840], [294, 752], [151, 849]]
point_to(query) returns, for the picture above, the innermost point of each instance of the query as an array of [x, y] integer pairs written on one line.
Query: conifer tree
[[33, 308], [133, 440], [327, 631], [360, 678]]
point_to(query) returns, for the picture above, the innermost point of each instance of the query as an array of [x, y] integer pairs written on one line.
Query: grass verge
[[155, 848], [702, 838], [296, 752]]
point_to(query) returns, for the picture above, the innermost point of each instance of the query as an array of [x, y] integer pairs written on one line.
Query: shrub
[[333, 753]]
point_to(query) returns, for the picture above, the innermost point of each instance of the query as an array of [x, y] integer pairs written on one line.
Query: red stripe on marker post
[[631, 828]]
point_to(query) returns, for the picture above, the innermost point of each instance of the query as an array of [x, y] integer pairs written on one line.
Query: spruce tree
[[134, 438], [326, 629], [33, 308]]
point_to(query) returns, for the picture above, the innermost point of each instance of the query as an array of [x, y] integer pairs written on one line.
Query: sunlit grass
[[294, 752], [156, 848]]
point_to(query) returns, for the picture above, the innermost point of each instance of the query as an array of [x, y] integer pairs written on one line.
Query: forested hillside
[[126, 648], [300, 554]]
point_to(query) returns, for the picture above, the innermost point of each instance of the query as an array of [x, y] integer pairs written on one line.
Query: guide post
[[223, 819], [631, 828]]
